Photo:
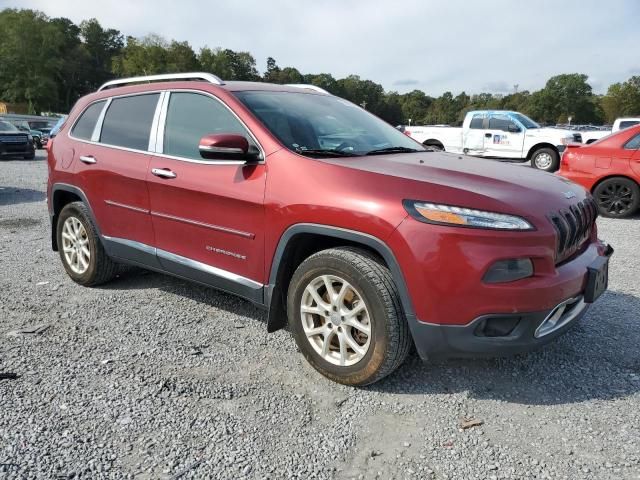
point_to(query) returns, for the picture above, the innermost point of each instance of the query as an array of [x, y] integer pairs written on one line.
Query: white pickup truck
[[500, 134], [619, 124]]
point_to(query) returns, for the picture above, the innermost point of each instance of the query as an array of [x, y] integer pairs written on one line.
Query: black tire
[[100, 268], [545, 159], [390, 340], [617, 197]]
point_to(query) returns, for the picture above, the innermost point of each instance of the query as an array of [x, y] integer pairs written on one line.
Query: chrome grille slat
[[573, 226]]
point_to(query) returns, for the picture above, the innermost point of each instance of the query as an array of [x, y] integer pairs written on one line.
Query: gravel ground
[[151, 377]]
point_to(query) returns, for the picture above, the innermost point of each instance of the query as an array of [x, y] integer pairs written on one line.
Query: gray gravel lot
[[152, 377]]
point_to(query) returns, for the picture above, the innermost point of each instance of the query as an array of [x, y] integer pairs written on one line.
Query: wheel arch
[[538, 146], [61, 195], [433, 142], [301, 240], [610, 176]]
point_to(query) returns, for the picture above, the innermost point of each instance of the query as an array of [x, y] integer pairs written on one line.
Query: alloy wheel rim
[[616, 198], [336, 320], [543, 161], [75, 245]]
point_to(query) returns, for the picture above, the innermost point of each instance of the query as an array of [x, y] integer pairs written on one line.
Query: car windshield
[[317, 125], [526, 121], [7, 127]]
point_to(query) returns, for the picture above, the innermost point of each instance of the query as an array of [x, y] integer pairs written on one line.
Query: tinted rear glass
[[127, 122], [477, 121], [628, 123], [83, 128]]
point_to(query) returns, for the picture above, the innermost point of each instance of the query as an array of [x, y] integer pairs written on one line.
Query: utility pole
[[515, 88]]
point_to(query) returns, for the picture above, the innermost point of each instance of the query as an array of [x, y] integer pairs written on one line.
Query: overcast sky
[[434, 45]]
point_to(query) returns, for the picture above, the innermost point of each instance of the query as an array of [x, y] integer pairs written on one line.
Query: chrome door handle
[[161, 172], [89, 159]]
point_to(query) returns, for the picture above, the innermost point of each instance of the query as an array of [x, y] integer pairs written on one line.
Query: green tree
[[31, 59], [101, 45], [228, 64], [622, 99]]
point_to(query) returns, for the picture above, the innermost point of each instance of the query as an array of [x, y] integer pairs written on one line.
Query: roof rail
[[308, 86], [207, 77]]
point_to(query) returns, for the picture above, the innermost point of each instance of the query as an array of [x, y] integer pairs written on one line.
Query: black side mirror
[[513, 128]]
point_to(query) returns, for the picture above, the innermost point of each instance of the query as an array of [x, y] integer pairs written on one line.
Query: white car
[[500, 134], [619, 124]]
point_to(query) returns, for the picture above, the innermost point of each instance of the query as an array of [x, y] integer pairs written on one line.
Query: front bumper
[[9, 149], [481, 337], [503, 334]]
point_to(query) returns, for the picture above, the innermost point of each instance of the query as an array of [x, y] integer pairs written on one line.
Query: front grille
[[577, 137], [573, 227], [12, 139]]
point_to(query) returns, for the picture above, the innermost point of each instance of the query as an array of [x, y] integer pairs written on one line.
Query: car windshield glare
[[312, 124], [526, 121]]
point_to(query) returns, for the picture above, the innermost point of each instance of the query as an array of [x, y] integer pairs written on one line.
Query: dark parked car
[[39, 138], [15, 143], [359, 238]]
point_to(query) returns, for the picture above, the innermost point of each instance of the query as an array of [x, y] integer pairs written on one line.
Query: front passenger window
[[190, 117]]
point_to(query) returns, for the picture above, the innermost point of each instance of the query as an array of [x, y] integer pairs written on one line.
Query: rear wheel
[[345, 314], [546, 159], [81, 251], [617, 197]]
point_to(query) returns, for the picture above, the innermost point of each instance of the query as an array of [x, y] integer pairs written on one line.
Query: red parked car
[[345, 230], [610, 169]]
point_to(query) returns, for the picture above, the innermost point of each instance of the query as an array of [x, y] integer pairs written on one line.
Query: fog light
[[509, 270]]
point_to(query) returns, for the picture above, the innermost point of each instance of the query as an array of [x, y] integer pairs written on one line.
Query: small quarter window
[[127, 122], [633, 144], [83, 129]]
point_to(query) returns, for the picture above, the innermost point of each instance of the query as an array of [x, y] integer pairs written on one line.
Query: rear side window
[[628, 123], [127, 122], [477, 121], [83, 129], [633, 144], [190, 117]]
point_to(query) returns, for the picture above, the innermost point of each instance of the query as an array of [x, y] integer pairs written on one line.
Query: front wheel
[[617, 197], [546, 159], [345, 314]]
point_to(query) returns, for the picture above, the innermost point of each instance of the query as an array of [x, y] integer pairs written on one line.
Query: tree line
[[48, 63]]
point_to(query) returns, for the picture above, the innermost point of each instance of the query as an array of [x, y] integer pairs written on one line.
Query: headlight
[[29, 137], [567, 140], [464, 217]]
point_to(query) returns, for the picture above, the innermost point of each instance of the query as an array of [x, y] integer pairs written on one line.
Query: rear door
[[112, 161], [503, 138], [208, 215], [473, 143]]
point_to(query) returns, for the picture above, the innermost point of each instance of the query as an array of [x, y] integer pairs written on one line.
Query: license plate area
[[597, 279]]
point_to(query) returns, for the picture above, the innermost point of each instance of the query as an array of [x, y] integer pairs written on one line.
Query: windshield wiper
[[382, 151], [325, 152]]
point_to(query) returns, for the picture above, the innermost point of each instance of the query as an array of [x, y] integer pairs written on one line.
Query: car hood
[[472, 182], [549, 132]]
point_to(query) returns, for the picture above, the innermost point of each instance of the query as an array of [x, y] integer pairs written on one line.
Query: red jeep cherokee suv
[[361, 240]]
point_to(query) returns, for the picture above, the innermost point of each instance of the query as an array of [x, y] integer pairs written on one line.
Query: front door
[[208, 215], [503, 138]]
